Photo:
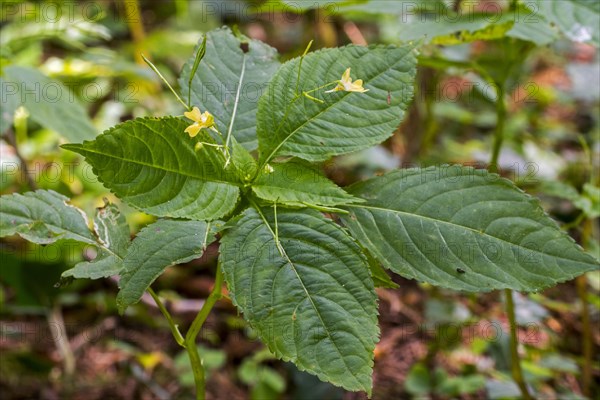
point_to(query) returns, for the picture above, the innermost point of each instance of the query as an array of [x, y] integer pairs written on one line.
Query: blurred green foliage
[[85, 53]]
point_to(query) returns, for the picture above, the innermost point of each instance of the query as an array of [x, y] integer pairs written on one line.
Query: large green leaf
[[445, 27], [356, 7], [157, 247], [49, 103], [463, 229], [300, 6], [454, 28], [433, 21], [579, 20], [391, 8], [151, 164], [530, 26], [311, 299], [112, 232], [298, 126], [297, 183], [43, 217], [230, 82]]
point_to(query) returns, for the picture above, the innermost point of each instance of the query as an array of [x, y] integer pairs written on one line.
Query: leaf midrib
[[75, 236], [433, 220], [160, 168], [51, 225], [308, 296], [149, 257], [55, 228], [344, 199], [237, 100], [344, 96]]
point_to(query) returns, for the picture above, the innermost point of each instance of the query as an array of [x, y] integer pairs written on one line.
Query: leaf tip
[[121, 305], [121, 308], [75, 147]]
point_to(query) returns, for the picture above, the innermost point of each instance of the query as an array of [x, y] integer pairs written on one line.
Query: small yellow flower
[[201, 120], [346, 84]]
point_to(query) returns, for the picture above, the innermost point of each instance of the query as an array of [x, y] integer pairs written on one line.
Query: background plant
[[264, 190]]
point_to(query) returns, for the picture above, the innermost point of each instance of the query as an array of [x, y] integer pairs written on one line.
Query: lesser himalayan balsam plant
[[301, 257]]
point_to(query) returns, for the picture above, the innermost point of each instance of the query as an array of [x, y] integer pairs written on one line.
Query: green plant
[[299, 254]]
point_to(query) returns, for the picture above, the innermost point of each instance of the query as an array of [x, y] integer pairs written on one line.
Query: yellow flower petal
[[194, 115], [346, 76], [193, 129], [357, 88]]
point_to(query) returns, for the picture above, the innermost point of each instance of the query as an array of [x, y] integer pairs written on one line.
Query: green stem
[[192, 333], [321, 87], [153, 67], [429, 124], [199, 56], [308, 96], [516, 370], [237, 100], [500, 124], [181, 9], [586, 375], [300, 66], [20, 123], [576, 222], [55, 319], [275, 233], [174, 327], [325, 209], [587, 341]]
